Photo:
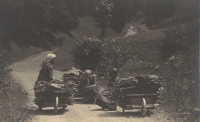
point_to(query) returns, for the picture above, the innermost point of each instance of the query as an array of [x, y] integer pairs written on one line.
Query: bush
[[179, 39], [98, 55], [180, 52], [87, 53], [3, 67], [12, 97], [114, 54], [13, 101]]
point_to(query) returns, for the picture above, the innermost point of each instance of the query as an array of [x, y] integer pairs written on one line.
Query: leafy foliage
[[179, 39], [13, 101], [34, 22], [180, 52], [125, 11], [4, 70], [13, 98], [113, 55], [103, 15], [87, 53], [98, 55]]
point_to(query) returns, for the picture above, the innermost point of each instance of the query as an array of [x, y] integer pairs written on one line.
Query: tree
[[32, 22], [103, 16]]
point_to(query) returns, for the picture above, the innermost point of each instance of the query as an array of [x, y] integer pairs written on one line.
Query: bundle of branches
[[65, 87], [54, 87], [77, 78], [139, 86], [70, 76]]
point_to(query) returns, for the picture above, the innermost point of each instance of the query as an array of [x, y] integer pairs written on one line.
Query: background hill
[[35, 22]]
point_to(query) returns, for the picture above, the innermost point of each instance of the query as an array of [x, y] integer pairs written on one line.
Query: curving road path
[[26, 71]]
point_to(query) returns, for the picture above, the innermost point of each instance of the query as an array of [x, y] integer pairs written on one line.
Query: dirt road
[[26, 72]]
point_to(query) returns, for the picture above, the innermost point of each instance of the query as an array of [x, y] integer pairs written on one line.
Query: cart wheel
[[40, 107], [144, 107], [56, 106]]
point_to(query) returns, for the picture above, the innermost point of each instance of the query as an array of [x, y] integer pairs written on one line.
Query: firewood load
[[54, 87], [74, 75], [80, 79], [71, 76], [139, 86]]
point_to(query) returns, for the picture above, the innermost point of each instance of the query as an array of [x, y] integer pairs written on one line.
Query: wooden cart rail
[[53, 99], [141, 95], [137, 101], [144, 106]]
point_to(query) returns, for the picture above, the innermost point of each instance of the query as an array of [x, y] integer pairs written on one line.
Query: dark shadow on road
[[121, 114], [96, 109], [47, 111]]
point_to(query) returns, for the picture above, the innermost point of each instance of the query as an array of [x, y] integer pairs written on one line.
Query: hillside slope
[[187, 11]]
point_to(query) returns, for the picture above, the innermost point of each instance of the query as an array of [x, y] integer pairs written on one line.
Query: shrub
[[98, 55], [179, 39], [180, 52], [12, 96], [3, 67], [13, 101], [87, 53], [114, 54]]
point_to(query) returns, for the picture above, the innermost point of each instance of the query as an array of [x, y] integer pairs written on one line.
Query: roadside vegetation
[[171, 53], [12, 96], [174, 57], [13, 101]]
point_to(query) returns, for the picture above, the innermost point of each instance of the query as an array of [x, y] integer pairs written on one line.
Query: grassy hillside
[[187, 11], [87, 28]]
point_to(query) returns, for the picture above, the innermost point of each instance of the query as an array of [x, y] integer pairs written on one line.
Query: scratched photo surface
[[99, 61]]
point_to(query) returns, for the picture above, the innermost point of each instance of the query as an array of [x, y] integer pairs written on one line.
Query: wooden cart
[[54, 99], [142, 96], [137, 101]]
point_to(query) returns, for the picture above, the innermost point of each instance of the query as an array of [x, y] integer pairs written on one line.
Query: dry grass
[[13, 98], [12, 102]]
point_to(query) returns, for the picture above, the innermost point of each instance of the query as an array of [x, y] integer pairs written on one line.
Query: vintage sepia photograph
[[99, 61]]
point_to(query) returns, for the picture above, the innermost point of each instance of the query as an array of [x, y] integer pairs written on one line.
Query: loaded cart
[[75, 77], [53, 95], [141, 92]]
